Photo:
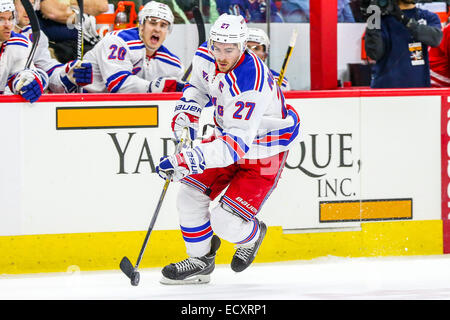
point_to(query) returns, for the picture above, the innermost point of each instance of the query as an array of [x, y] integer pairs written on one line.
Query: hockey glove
[[187, 162], [90, 29], [76, 73], [187, 114], [165, 85], [29, 83]]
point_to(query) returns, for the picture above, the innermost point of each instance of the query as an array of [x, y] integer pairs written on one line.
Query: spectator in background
[[355, 5], [58, 18], [255, 10], [223, 6], [399, 45], [188, 5], [344, 10], [295, 10], [439, 61]]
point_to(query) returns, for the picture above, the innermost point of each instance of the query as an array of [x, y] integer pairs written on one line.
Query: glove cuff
[[68, 85], [195, 160]]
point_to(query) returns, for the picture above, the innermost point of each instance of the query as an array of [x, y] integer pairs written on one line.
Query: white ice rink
[[330, 278]]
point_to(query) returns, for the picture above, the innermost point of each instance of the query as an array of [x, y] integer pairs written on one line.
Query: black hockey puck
[[135, 277]]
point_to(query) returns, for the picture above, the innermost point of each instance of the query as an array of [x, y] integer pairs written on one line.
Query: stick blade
[[127, 267]]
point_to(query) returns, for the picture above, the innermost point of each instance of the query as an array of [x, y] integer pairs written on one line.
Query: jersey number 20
[[117, 53]]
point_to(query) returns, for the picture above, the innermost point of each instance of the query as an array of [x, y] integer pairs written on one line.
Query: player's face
[[6, 25], [226, 54], [258, 49], [154, 32], [22, 17]]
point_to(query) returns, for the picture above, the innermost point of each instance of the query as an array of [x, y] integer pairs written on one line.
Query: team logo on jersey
[[220, 86], [205, 75], [224, 26]]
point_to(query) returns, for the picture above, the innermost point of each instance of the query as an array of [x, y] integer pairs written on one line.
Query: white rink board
[[68, 181]]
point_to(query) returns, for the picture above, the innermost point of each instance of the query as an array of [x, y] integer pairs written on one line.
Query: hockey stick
[[36, 35], [125, 264], [201, 36], [287, 57], [80, 45], [80, 40], [36, 30]]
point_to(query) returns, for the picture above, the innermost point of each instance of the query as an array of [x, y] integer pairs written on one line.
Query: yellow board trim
[[103, 251], [332, 211], [106, 117]]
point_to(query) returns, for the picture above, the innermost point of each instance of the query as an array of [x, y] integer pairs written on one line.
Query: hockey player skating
[[62, 77], [259, 43], [253, 132], [14, 50], [134, 60]]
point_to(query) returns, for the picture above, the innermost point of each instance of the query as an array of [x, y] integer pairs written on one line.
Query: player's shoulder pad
[[204, 53], [18, 39], [130, 37], [248, 75], [164, 55]]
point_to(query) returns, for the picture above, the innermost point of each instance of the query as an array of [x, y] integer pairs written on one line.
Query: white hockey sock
[[232, 228], [193, 210]]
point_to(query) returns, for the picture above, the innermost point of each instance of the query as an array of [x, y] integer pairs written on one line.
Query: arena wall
[[369, 177]]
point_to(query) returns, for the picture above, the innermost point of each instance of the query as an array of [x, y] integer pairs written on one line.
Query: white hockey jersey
[[251, 117], [45, 62], [13, 57], [120, 64]]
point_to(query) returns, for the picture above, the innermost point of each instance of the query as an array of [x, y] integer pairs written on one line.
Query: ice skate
[[193, 270], [244, 255]]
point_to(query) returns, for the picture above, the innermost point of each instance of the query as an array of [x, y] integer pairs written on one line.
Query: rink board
[[78, 185]]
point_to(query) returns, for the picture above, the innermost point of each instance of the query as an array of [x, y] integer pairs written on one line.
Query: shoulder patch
[[127, 35], [249, 75], [18, 39], [204, 53]]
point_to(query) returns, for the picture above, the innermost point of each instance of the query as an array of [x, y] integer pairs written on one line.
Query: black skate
[[193, 270], [244, 255]]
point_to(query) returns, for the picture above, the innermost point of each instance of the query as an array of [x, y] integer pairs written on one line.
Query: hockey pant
[[234, 217]]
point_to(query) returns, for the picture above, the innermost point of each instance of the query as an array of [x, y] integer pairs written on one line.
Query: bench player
[[259, 43], [14, 50], [134, 60], [63, 78]]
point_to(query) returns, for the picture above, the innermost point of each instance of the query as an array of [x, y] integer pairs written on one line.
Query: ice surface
[[392, 278]]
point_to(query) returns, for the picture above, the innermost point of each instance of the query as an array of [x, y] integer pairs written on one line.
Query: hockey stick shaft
[[184, 140], [36, 30], [80, 45], [287, 57], [201, 36], [152, 223], [80, 40]]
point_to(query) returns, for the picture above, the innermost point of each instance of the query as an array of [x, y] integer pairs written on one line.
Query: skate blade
[[199, 279]]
